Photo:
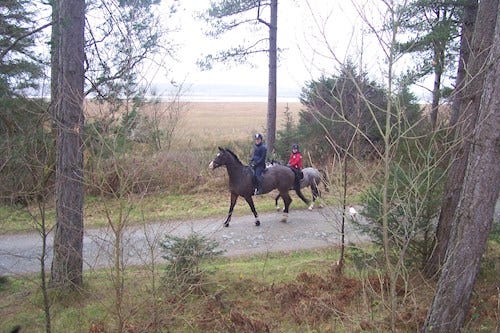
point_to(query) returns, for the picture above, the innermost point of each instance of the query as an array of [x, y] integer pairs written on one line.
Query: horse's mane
[[234, 155]]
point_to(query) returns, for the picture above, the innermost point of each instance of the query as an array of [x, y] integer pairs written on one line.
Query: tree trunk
[[472, 223], [436, 90], [54, 62], [67, 265], [271, 95], [470, 101], [469, 17]]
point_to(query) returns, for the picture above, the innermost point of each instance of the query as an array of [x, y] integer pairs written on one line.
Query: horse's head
[[223, 157]]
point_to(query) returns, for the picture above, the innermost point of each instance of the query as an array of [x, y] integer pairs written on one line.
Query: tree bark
[[271, 95], [469, 104], [436, 90], [54, 62], [67, 265], [473, 220], [469, 18]]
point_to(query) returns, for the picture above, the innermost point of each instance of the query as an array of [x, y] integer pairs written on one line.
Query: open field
[[208, 124], [216, 122]]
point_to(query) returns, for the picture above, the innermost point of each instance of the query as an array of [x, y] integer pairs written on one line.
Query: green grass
[[20, 219], [285, 292], [236, 279], [148, 209], [276, 267]]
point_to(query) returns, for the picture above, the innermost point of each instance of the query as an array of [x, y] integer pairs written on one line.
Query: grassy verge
[[147, 209], [292, 292]]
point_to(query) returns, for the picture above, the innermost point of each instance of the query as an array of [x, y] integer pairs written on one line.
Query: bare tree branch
[[18, 39]]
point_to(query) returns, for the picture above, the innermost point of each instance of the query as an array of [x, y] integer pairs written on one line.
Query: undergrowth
[[282, 292]]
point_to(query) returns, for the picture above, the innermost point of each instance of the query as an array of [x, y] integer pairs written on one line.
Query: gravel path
[[304, 230]]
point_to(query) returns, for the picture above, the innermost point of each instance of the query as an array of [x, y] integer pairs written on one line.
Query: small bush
[[26, 151], [184, 256]]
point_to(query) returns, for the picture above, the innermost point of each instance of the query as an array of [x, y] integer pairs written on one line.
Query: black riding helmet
[[295, 146], [258, 136]]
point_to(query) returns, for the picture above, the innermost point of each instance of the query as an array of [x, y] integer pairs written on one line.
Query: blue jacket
[[259, 156]]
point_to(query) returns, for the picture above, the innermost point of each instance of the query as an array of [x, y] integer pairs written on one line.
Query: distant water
[[228, 93], [229, 99]]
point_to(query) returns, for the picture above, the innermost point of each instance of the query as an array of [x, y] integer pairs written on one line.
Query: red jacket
[[295, 160]]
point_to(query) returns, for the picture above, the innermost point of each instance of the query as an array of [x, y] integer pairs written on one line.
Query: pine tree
[[226, 15], [19, 67], [432, 27]]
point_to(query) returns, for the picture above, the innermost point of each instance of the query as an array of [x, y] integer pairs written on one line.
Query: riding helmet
[[295, 146], [258, 136]]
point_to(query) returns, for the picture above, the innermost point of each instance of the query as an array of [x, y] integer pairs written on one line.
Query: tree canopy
[[343, 105], [20, 67]]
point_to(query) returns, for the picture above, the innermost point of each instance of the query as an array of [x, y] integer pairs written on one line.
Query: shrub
[[26, 150], [414, 192], [184, 257], [285, 138], [344, 105]]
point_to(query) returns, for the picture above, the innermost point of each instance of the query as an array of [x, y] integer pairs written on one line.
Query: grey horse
[[312, 177]]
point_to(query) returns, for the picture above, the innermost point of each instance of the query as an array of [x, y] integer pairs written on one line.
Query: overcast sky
[[314, 36], [304, 55]]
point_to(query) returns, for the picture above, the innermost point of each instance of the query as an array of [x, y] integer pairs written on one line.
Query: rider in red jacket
[[295, 160]]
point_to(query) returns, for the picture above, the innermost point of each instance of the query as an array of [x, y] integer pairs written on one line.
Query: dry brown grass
[[208, 124], [214, 122], [288, 292]]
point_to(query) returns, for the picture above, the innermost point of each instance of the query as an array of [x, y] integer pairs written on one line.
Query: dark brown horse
[[241, 182]]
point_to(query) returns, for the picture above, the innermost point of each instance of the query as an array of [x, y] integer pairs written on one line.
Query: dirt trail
[[304, 230]]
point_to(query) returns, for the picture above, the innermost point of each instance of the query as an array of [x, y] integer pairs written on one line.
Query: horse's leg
[[234, 197], [287, 200], [276, 202], [315, 194], [254, 211], [301, 196], [318, 191]]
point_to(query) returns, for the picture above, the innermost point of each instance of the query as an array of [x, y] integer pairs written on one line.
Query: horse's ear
[[221, 149]]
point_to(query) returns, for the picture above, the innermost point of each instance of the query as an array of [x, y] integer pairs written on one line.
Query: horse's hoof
[[257, 223], [278, 208], [310, 207], [226, 224]]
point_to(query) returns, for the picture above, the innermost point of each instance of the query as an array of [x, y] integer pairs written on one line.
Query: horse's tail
[[324, 179]]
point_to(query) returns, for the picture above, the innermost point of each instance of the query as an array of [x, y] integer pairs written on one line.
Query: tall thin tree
[[273, 77], [67, 265], [473, 219], [469, 111], [234, 11], [459, 110]]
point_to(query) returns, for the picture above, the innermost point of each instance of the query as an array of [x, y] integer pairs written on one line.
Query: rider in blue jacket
[[258, 161]]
